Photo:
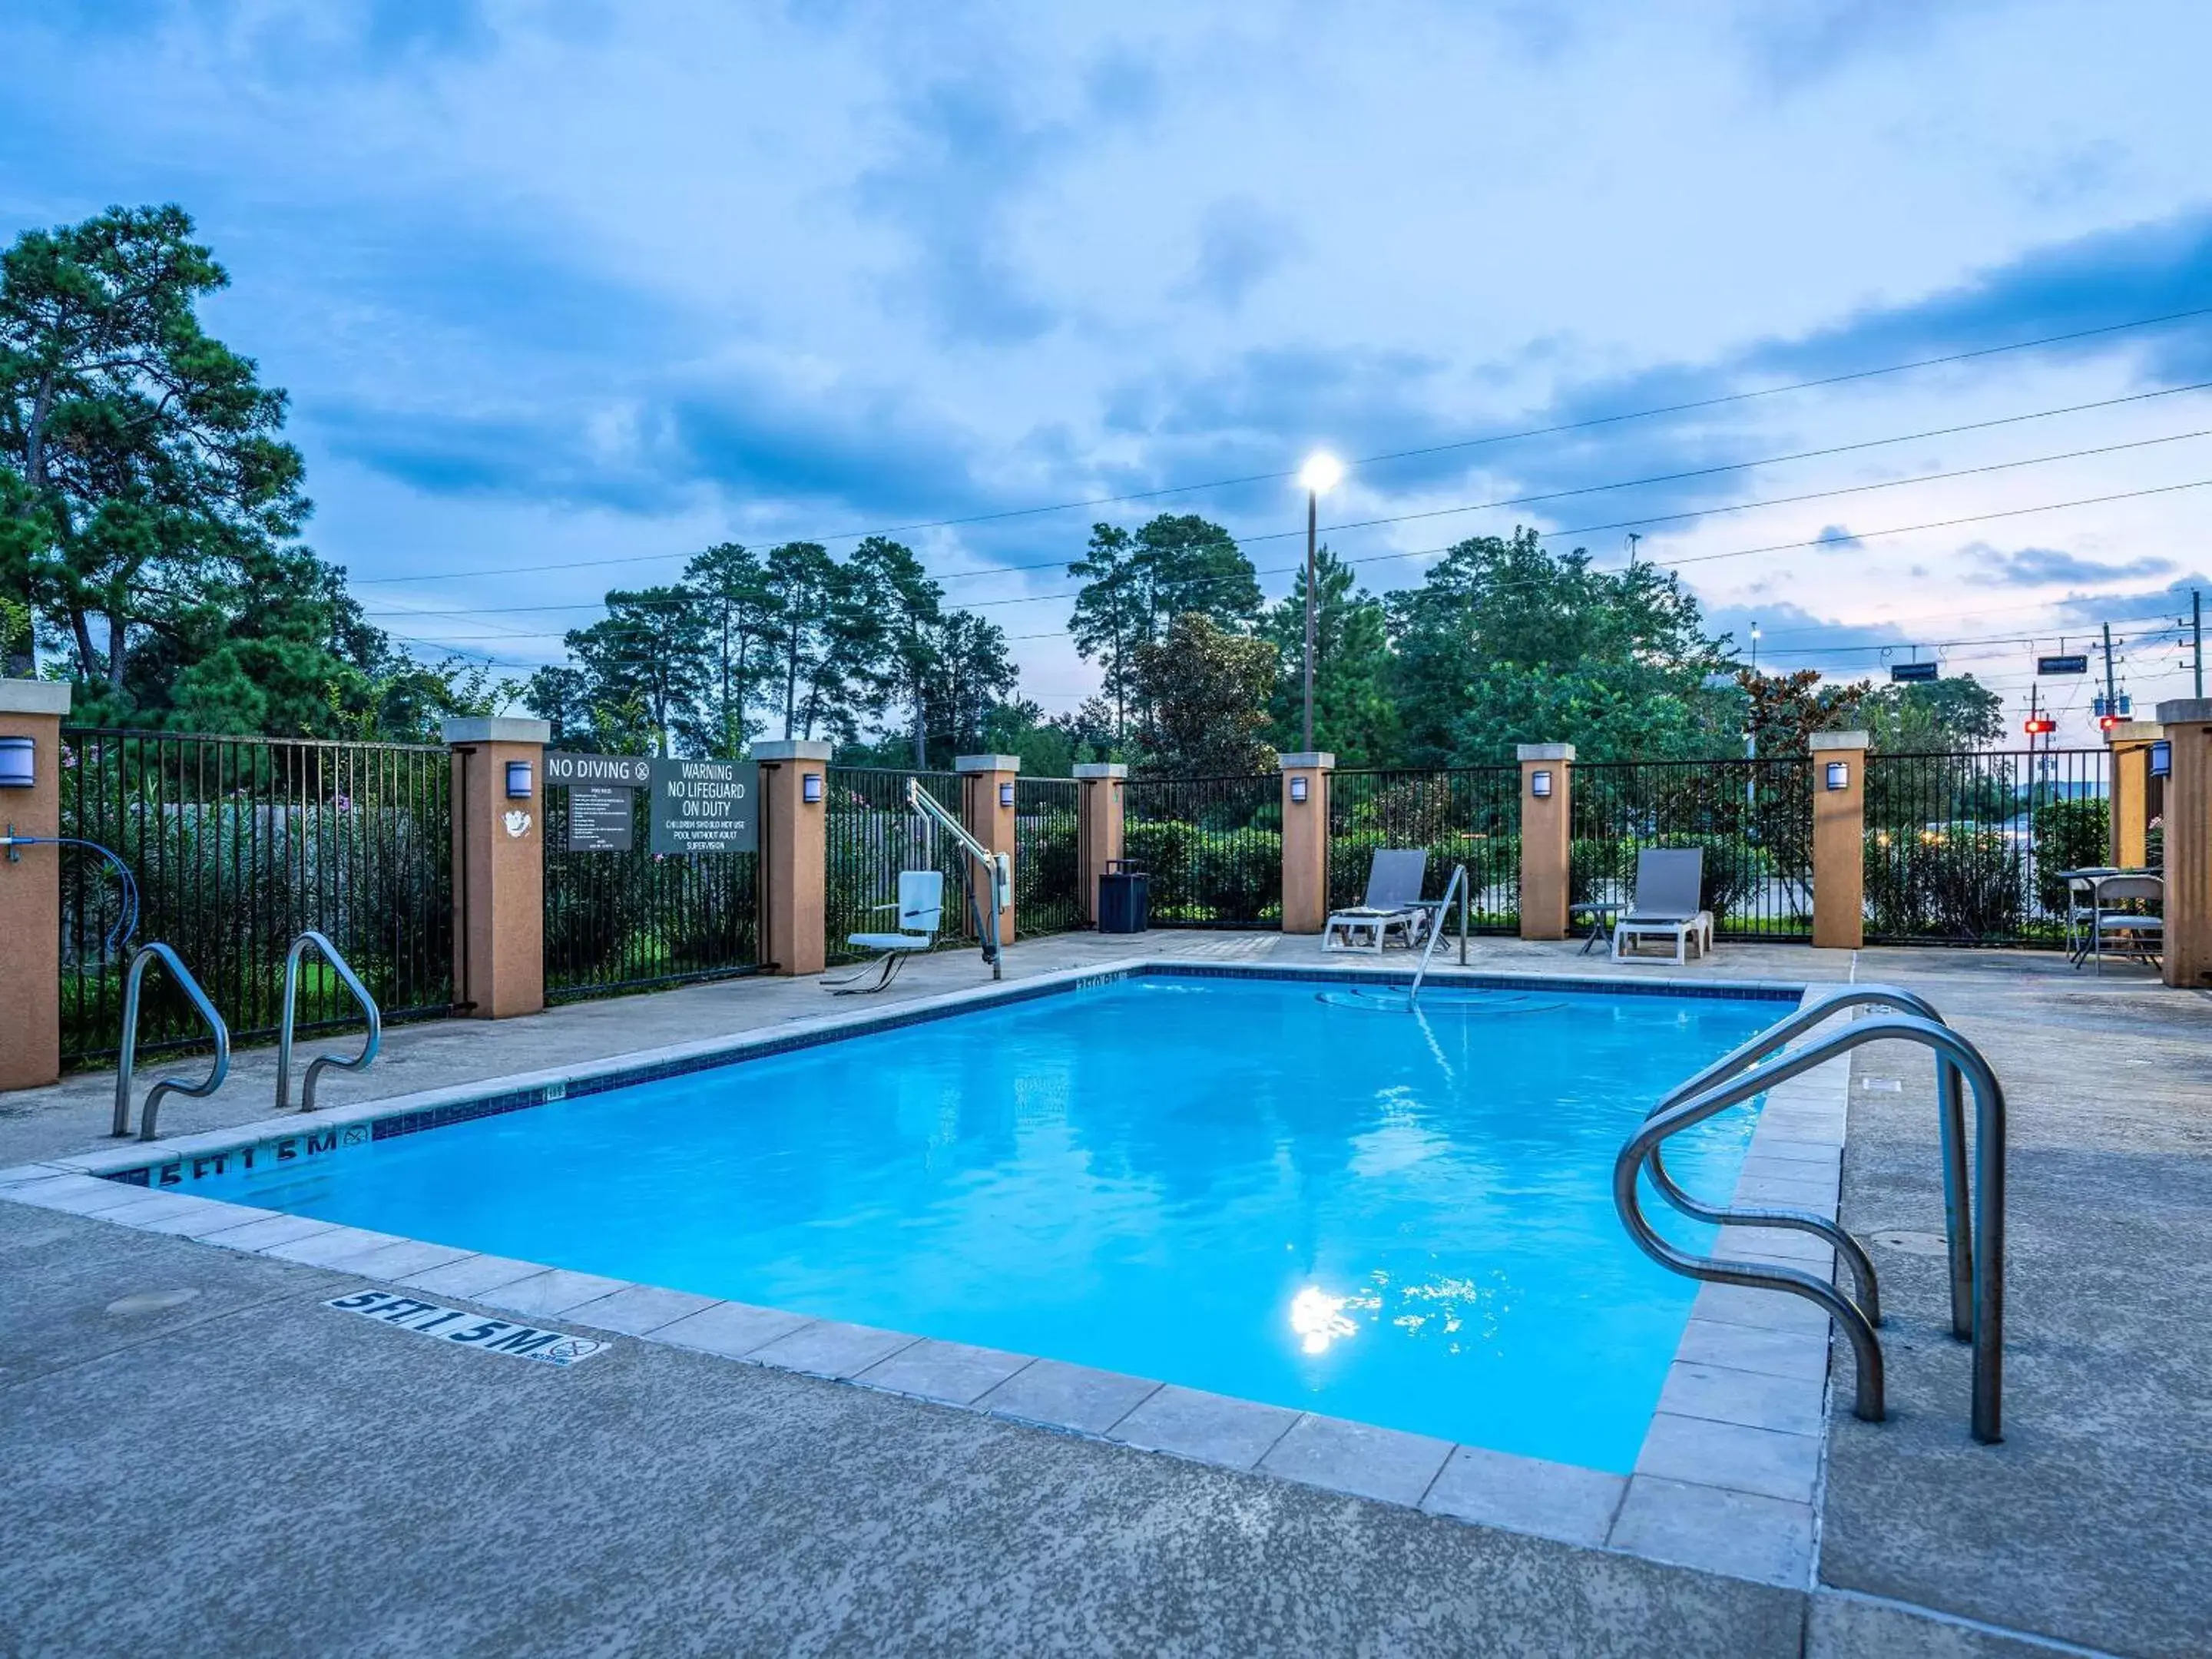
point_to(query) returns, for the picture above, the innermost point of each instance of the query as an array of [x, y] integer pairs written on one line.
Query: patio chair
[[1394, 905], [2140, 933], [1669, 884], [921, 906]]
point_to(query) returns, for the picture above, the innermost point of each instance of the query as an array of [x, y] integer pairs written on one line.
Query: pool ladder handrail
[[1456, 884], [351, 981], [126, 1059], [1977, 1269]]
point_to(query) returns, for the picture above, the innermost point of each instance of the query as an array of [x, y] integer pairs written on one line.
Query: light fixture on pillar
[[518, 780], [1006, 794], [1540, 784], [1839, 774], [810, 789], [2161, 759], [1298, 791], [18, 763]]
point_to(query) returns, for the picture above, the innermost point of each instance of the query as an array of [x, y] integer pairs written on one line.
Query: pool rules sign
[[602, 794], [705, 807]]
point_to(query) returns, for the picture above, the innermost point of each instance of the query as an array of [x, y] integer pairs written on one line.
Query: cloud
[[1798, 43], [2048, 567], [1792, 637], [1836, 539], [1240, 245]]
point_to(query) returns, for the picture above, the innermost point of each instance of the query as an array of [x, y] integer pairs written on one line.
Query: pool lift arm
[[998, 867]]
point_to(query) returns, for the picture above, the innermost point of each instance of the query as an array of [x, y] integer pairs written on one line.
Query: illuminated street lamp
[[1321, 473]]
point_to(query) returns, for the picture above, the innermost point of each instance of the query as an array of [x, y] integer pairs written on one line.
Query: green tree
[[1935, 716], [1137, 584], [560, 696], [737, 607], [829, 642], [1504, 642], [889, 584], [972, 673], [646, 662], [1353, 717], [1207, 690], [1109, 619], [1785, 710]]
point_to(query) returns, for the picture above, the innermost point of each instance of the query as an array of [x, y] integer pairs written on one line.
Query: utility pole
[[2197, 615], [1313, 517], [2111, 692]]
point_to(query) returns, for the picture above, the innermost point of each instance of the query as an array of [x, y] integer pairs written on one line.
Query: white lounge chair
[[1394, 905], [920, 908], [1669, 885]]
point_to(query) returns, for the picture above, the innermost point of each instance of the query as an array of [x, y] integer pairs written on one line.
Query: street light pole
[[1319, 475], [1313, 522]]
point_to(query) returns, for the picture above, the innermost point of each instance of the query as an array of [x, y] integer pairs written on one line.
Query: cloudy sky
[[562, 292]]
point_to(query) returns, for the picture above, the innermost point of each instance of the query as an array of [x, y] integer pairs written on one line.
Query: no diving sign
[[471, 1330]]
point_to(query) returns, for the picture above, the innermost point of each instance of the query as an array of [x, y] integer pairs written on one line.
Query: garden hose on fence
[[126, 919]]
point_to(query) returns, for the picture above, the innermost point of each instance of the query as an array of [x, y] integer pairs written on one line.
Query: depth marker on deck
[[471, 1330]]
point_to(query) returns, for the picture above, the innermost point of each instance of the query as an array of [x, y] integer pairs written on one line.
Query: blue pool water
[[1240, 1186]]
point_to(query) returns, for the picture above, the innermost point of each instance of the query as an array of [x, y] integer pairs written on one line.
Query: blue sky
[[593, 285]]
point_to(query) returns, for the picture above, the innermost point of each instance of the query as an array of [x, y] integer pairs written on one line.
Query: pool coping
[[1727, 1480]]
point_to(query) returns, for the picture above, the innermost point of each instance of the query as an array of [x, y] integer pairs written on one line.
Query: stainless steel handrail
[[1988, 1279], [126, 1061], [1457, 883], [351, 981], [1749, 1054]]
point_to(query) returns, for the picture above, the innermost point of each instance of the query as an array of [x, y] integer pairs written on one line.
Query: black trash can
[[1124, 898]]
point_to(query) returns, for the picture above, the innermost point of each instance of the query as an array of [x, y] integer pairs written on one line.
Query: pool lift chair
[[920, 904]]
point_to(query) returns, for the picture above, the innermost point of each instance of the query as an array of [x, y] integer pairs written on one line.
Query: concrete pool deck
[[2084, 1527]]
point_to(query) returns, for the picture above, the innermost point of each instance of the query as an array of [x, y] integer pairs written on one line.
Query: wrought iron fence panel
[[873, 835], [1465, 815], [1752, 818], [620, 922], [1967, 848], [1213, 848], [1046, 836], [238, 844]]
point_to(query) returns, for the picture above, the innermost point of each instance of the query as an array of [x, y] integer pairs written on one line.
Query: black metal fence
[[1752, 818], [618, 922], [873, 835], [1966, 849], [1469, 816], [238, 844], [1046, 836], [1213, 846]]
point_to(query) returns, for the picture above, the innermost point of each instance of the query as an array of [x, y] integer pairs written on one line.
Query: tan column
[[1839, 839], [987, 807], [2130, 796], [31, 884], [1547, 787], [1098, 833], [499, 865], [1305, 841], [2188, 726], [795, 855]]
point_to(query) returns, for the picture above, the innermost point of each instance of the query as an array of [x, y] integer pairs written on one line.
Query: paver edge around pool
[[1729, 1476]]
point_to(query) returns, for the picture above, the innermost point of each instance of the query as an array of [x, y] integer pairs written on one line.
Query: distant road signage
[[705, 807], [600, 816], [633, 770], [2062, 664], [1913, 671]]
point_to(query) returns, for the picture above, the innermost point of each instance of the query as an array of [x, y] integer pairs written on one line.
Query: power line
[[1373, 460]]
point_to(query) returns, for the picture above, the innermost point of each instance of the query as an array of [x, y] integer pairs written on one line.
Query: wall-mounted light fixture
[[2161, 759], [1006, 794], [810, 789], [1298, 791], [1540, 784], [18, 767], [1839, 774], [518, 780]]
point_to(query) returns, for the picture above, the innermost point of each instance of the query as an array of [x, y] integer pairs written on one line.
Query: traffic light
[[2037, 726], [2106, 722]]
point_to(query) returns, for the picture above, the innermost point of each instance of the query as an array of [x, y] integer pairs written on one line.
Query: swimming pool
[[1237, 1183]]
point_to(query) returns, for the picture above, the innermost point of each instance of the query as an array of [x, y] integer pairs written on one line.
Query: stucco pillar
[[795, 855], [1839, 839], [2130, 792], [1547, 772], [1099, 840], [31, 885], [2188, 726], [987, 788], [1305, 841], [499, 865]]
